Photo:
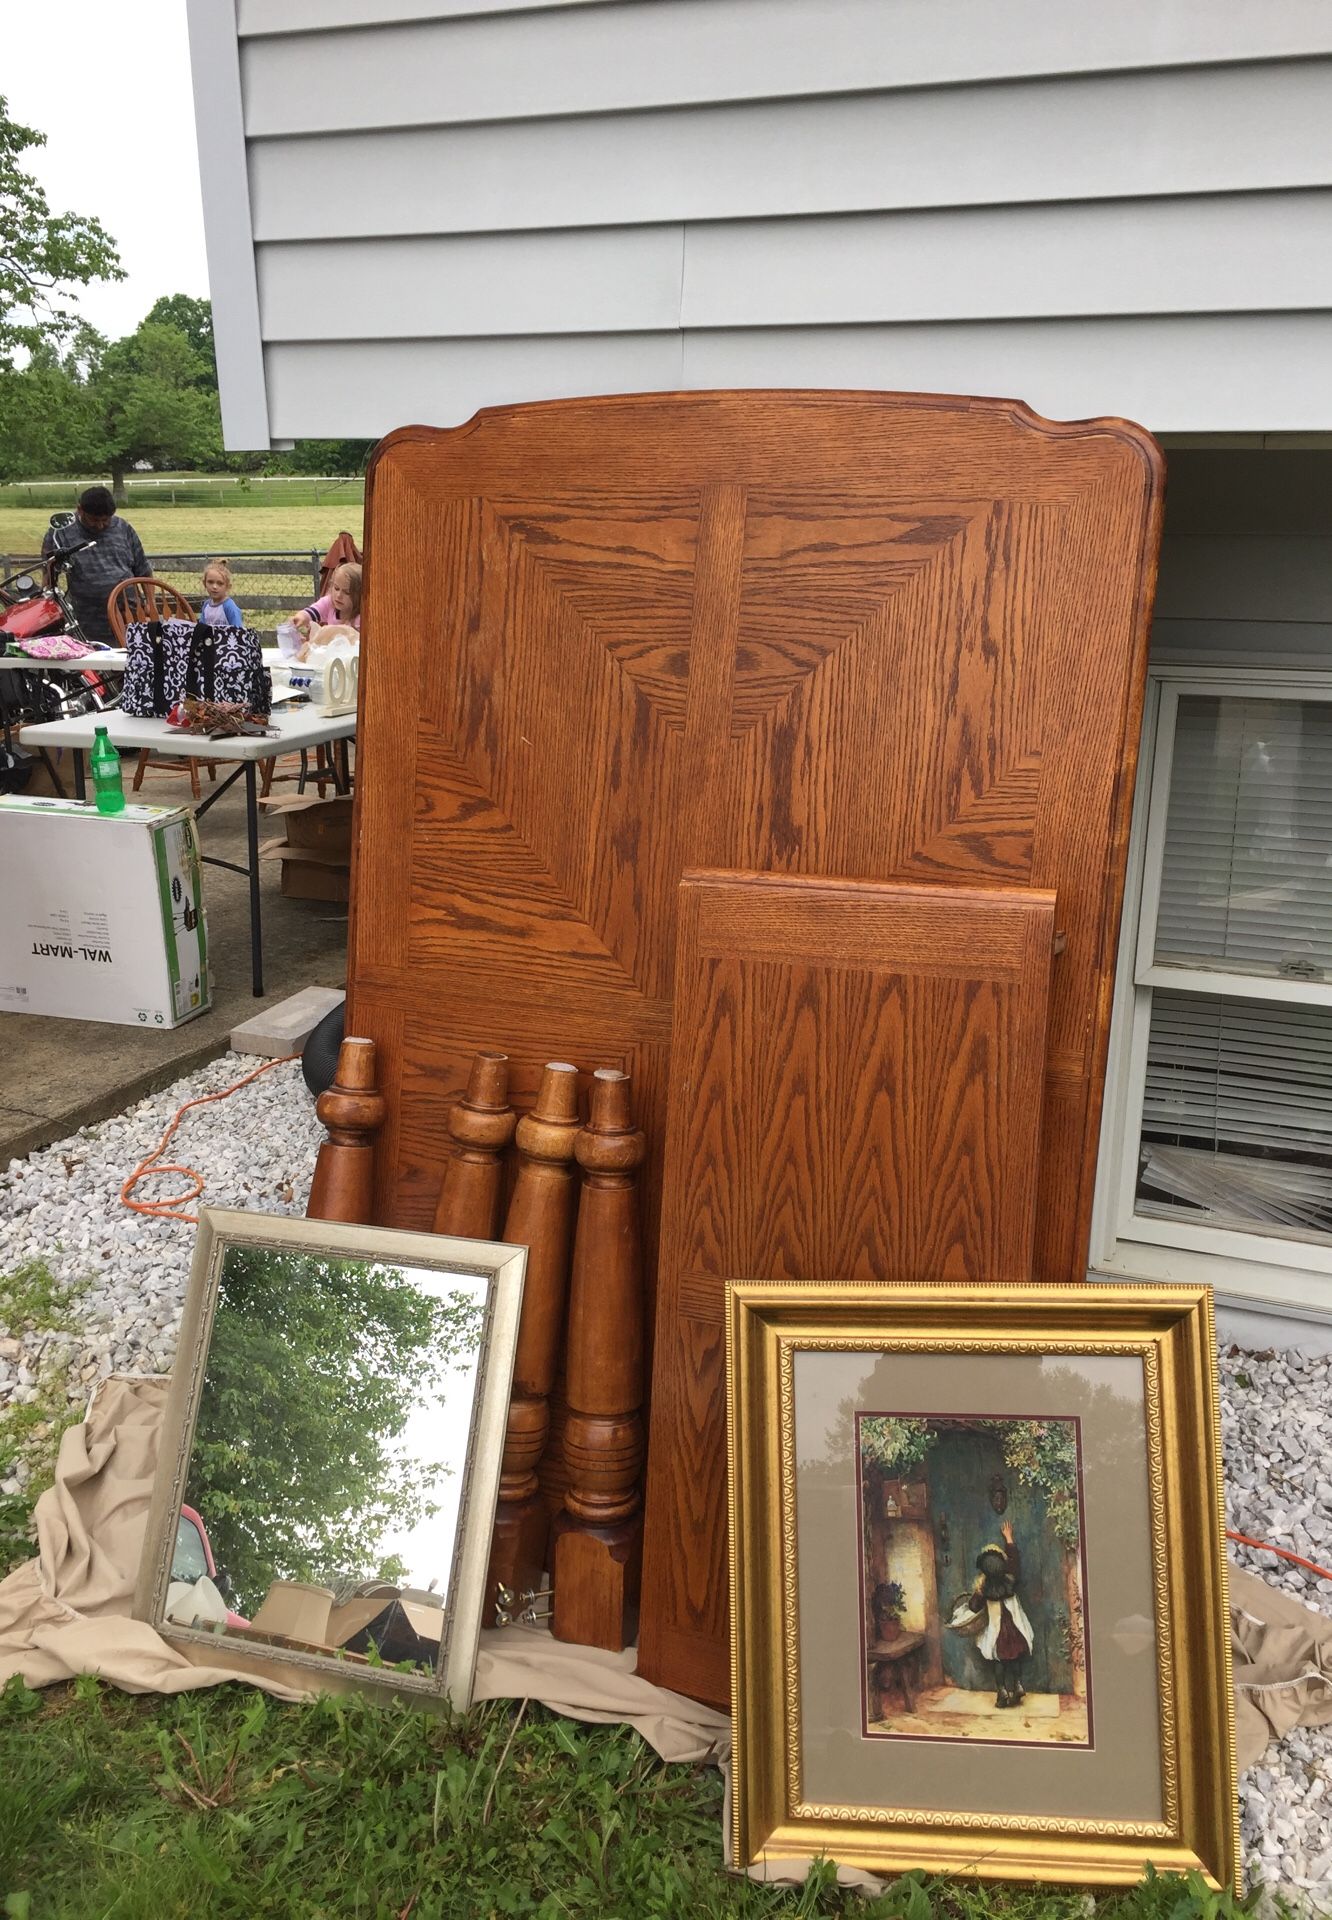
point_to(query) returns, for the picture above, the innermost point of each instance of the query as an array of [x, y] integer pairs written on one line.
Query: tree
[[312, 1371], [41, 425], [143, 400], [43, 256], [187, 314], [84, 405], [322, 456]]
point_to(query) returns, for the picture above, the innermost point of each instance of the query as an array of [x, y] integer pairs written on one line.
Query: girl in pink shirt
[[339, 607]]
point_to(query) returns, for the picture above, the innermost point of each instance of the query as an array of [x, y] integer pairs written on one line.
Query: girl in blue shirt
[[219, 609]]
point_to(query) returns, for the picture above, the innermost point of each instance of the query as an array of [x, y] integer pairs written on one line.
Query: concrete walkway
[[63, 1074]]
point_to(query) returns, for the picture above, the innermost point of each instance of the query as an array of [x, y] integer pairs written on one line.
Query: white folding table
[[290, 731], [110, 660], [107, 660]]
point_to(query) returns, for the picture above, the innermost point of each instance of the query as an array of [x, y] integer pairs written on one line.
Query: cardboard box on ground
[[316, 850], [104, 916]]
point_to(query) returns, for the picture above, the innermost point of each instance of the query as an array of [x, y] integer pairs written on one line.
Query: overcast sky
[[109, 85]]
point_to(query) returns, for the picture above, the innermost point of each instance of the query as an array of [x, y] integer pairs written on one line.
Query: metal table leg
[[249, 769], [80, 777], [252, 838], [53, 771]]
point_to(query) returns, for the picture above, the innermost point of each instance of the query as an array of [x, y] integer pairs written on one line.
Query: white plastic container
[[329, 675]]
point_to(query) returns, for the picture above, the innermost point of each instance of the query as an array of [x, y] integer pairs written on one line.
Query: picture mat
[[1120, 1777]]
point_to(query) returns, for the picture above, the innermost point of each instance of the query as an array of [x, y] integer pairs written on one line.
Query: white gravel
[[62, 1206], [1276, 1428], [257, 1150]]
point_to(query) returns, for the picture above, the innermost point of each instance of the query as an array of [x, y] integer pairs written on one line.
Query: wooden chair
[[146, 599], [149, 599]]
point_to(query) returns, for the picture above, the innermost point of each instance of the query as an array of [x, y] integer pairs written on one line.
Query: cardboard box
[[316, 852], [103, 914], [309, 821], [309, 874]]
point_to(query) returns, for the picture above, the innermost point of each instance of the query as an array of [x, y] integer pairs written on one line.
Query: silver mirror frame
[[503, 1267]]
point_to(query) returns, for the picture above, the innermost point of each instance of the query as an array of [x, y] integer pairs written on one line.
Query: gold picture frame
[[440, 1289], [1086, 1418]]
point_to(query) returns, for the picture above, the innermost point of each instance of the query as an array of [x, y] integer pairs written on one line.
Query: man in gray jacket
[[115, 555]]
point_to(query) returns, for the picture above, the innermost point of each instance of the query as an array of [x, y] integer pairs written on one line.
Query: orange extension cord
[[170, 1208], [1263, 1546]]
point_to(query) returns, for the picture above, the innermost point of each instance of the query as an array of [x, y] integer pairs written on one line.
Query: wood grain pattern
[[352, 1111], [540, 1217], [876, 635], [597, 1537], [855, 1095], [481, 1126]]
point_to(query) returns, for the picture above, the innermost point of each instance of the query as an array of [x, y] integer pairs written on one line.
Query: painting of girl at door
[[974, 1579]]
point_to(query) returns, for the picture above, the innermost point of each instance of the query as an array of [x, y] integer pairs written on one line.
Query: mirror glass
[[327, 1466]]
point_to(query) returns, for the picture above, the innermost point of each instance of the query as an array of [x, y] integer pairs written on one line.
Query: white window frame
[[1245, 1267]]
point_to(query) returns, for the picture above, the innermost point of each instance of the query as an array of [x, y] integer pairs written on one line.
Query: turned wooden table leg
[[352, 1111], [540, 1218], [480, 1128], [598, 1538], [552, 1473]]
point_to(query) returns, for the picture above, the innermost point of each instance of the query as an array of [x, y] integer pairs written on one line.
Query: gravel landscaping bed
[[62, 1207], [1276, 1428], [256, 1150]]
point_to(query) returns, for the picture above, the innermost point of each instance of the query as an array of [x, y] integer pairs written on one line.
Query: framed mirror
[[330, 1458]]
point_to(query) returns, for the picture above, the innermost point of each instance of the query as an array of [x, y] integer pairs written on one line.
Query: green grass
[[33, 1301], [190, 489], [228, 1805], [224, 530], [32, 1298]]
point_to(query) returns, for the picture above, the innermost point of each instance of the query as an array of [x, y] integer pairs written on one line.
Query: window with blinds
[[1237, 1115], [1246, 869]]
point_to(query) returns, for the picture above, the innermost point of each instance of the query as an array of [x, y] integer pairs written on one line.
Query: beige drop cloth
[[66, 1613], [1282, 1657]]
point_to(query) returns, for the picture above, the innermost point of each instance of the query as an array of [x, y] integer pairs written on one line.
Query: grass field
[[229, 1805], [190, 489], [213, 530]]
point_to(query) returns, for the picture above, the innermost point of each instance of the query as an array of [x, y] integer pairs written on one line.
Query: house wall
[[417, 209]]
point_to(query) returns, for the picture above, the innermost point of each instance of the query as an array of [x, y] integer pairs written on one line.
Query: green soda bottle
[[107, 782]]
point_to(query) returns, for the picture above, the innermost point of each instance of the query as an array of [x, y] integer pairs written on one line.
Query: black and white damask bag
[[156, 667], [227, 663]]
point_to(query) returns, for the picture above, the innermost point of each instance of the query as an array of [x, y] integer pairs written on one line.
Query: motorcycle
[[32, 609]]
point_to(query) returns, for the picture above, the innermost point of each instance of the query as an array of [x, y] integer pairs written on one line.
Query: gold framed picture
[[978, 1591]]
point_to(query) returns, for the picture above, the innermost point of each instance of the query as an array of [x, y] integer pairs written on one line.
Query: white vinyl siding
[[1161, 370], [427, 59], [1090, 137], [438, 206], [1231, 254]]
